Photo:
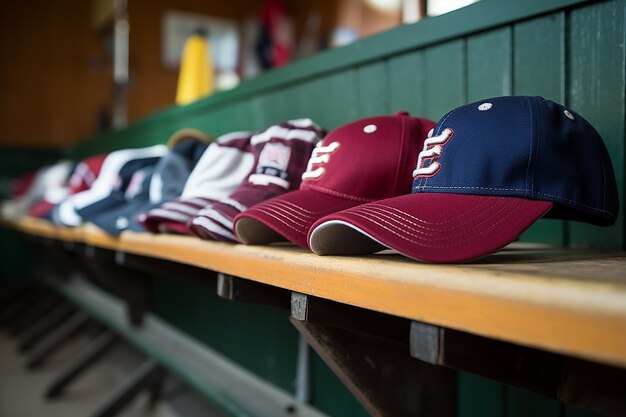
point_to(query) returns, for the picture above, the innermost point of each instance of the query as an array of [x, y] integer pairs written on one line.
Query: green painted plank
[[255, 111], [521, 403], [372, 89], [445, 78], [407, 83], [294, 102], [596, 90], [480, 397], [338, 99], [313, 98], [541, 72], [489, 64], [477, 17]]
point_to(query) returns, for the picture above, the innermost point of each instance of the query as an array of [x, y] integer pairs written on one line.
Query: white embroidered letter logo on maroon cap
[[433, 147], [321, 155]]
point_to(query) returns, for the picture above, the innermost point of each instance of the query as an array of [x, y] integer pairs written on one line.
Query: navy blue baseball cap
[[486, 173]]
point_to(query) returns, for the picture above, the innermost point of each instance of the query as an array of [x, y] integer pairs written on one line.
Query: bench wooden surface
[[563, 300]]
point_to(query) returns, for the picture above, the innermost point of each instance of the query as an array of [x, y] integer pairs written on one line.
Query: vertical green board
[[407, 83], [480, 397], [292, 101], [489, 64], [330, 395], [313, 98], [373, 93], [540, 71], [339, 100], [445, 78], [596, 90], [255, 111], [246, 115], [520, 403], [259, 338]]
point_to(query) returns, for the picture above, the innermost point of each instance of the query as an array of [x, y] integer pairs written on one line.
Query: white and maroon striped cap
[[281, 154], [221, 169]]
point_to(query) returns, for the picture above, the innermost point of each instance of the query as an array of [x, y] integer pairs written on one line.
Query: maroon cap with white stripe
[[221, 169], [366, 160], [281, 154]]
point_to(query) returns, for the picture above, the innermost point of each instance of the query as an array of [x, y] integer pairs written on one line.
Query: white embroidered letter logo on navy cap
[[321, 155], [433, 147]]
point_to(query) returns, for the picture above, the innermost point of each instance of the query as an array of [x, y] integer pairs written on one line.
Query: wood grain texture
[[567, 301]]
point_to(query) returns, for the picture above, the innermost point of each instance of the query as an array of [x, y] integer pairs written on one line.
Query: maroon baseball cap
[[363, 161], [281, 154], [489, 170]]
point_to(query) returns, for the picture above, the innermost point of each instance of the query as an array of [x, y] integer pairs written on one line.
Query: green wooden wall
[[571, 51]]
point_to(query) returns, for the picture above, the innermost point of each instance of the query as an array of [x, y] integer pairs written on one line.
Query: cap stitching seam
[[391, 209], [456, 244], [532, 179], [339, 194], [436, 236], [521, 189]]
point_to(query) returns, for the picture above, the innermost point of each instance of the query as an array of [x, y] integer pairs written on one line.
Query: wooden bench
[[542, 318], [558, 310]]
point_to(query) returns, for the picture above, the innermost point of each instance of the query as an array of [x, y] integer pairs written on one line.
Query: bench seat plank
[[563, 300]]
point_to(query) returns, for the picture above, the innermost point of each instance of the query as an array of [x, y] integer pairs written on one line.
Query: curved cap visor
[[428, 227], [287, 217]]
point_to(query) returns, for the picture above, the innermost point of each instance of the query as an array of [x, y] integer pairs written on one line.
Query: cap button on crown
[[402, 113]]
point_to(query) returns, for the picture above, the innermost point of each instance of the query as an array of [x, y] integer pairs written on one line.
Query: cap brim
[[186, 134], [114, 222], [428, 227], [173, 215], [217, 220], [287, 217]]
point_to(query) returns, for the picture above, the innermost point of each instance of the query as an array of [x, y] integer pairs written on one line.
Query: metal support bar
[[247, 291], [142, 378], [585, 384], [45, 325], [376, 367], [81, 363], [303, 371], [57, 339]]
